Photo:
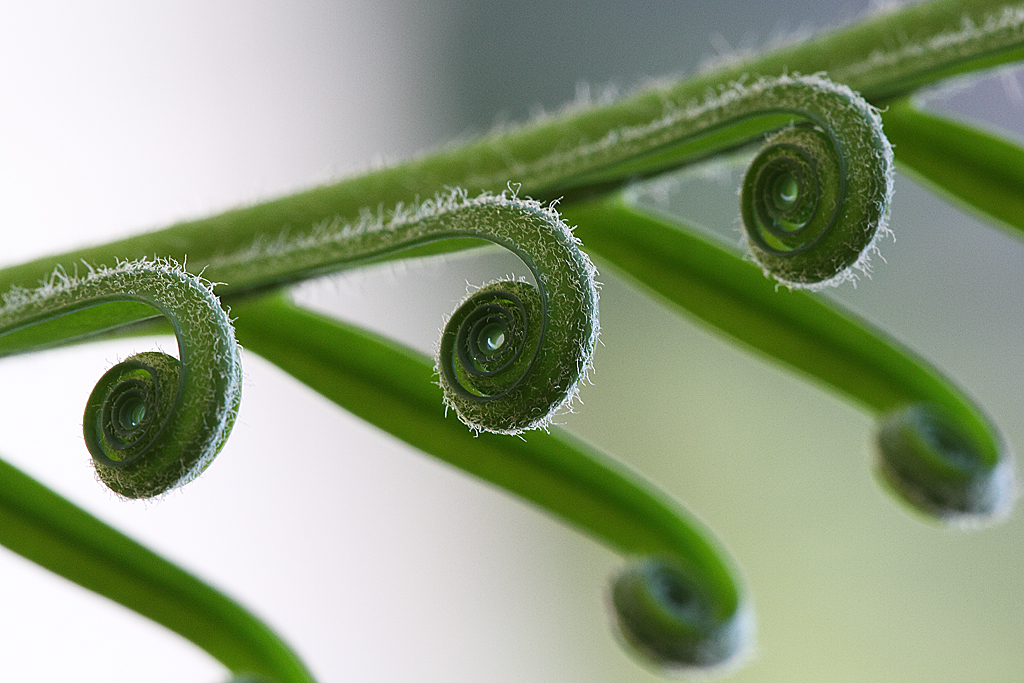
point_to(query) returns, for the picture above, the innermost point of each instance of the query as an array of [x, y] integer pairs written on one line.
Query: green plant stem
[[391, 387], [975, 168], [720, 287], [893, 52], [884, 57], [186, 408], [43, 527], [801, 331]]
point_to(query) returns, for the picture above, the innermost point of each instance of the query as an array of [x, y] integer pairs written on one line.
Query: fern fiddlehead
[[514, 353], [816, 197], [153, 422], [785, 212], [818, 193]]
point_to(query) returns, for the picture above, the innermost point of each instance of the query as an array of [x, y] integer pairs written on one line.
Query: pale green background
[[377, 563]]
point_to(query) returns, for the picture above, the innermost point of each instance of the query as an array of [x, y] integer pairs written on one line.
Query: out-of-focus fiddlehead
[[936, 448], [679, 602], [153, 421], [951, 469], [666, 612]]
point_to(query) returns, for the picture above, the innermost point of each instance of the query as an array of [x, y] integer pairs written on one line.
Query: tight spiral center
[[491, 331], [784, 198], [128, 407]]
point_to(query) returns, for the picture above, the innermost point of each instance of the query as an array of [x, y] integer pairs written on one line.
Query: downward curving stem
[[544, 343], [43, 527], [693, 613], [937, 449]]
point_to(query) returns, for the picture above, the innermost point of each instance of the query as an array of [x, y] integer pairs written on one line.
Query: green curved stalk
[[562, 325], [390, 387], [153, 422], [821, 341], [42, 526], [975, 168]]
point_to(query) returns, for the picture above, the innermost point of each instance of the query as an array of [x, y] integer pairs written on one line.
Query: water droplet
[[492, 337], [785, 191]]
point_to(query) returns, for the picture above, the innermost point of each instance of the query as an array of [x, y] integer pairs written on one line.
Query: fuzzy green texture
[[575, 155], [816, 196], [562, 316], [186, 421], [543, 336], [583, 156], [489, 345]]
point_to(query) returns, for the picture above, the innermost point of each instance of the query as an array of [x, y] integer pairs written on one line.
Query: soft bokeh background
[[377, 563]]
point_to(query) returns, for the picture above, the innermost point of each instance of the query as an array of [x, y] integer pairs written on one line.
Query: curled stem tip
[[515, 353], [816, 197], [152, 422], [669, 617], [938, 468]]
